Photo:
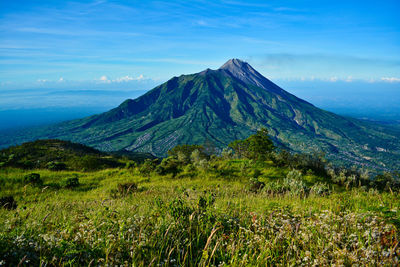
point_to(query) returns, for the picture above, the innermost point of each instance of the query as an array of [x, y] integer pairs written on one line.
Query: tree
[[257, 146], [260, 145], [239, 147], [183, 152]]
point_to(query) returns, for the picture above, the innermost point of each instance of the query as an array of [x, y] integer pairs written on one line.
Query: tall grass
[[205, 215]]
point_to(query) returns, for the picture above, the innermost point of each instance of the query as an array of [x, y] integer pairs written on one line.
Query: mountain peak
[[240, 70], [235, 64], [243, 71]]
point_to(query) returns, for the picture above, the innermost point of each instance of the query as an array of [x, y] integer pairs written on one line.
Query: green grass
[[205, 216]]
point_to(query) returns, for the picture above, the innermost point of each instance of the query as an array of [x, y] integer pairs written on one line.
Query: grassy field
[[218, 213]]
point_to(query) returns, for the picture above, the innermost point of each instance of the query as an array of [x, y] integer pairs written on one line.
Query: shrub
[[294, 183], [348, 177], [26, 164], [71, 182], [315, 162], [294, 175], [130, 165], [195, 157], [320, 189], [168, 165], [296, 187], [56, 166], [190, 168], [256, 185], [227, 153], [184, 152], [275, 187], [33, 178], [386, 182], [148, 167], [282, 158], [93, 162], [8, 203]]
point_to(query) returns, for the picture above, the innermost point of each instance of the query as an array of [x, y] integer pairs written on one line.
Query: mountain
[[219, 106]]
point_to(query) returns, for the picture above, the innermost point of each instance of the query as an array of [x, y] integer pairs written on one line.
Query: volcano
[[220, 106]]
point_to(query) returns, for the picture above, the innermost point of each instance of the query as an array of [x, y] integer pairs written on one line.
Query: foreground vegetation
[[195, 209]]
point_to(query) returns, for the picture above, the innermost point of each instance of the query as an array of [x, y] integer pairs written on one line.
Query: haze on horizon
[[92, 55]]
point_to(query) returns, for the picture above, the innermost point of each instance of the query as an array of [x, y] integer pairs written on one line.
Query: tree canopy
[[257, 146]]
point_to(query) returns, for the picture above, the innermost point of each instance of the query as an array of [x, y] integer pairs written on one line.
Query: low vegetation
[[195, 208]]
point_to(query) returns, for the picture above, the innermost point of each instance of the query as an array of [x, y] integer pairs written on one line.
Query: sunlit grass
[[201, 219]]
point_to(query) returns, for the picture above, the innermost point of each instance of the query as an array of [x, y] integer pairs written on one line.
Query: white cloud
[[61, 79], [104, 79], [128, 78], [124, 79], [42, 80], [390, 79]]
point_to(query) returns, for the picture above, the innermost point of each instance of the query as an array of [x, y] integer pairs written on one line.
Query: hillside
[[63, 155], [219, 106]]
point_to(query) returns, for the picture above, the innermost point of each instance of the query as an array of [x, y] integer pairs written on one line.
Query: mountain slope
[[59, 155], [56, 155], [221, 106]]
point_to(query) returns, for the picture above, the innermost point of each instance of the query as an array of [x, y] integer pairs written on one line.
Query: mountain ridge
[[223, 105]]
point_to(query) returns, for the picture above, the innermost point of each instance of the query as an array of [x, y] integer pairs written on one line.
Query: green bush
[[386, 182], [168, 165], [314, 163], [348, 177], [71, 182], [148, 166], [190, 168], [130, 165], [296, 186], [256, 185], [183, 152], [275, 187], [320, 189], [292, 184], [258, 146], [33, 179], [56, 166]]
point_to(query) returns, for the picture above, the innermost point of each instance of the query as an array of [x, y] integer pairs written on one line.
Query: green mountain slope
[[221, 106], [56, 155], [60, 155]]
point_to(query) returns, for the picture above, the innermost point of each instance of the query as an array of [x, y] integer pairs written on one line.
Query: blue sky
[[135, 45]]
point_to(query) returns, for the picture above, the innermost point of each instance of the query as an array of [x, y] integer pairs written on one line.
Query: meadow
[[197, 212]]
